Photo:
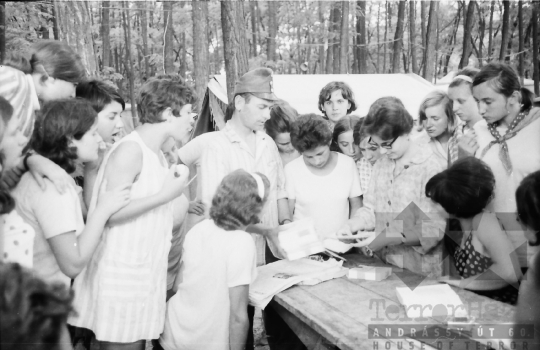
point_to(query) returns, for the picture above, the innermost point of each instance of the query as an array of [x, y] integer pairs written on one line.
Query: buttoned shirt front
[[395, 204], [227, 152]]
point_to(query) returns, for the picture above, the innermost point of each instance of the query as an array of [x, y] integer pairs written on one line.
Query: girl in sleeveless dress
[[482, 253], [121, 294]]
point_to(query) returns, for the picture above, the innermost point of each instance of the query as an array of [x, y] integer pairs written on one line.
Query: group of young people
[[97, 235]]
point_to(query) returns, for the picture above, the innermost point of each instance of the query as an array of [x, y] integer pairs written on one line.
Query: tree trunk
[[481, 34], [429, 55], [423, 16], [344, 39], [273, 8], [378, 37], [361, 38], [321, 47], [467, 27], [398, 37], [105, 33], [505, 29], [2, 31], [127, 37], [200, 49], [242, 45], [55, 14], [535, 38], [227, 23], [490, 39], [168, 53], [521, 42], [386, 19], [144, 33], [331, 41], [253, 13], [336, 47], [412, 36]]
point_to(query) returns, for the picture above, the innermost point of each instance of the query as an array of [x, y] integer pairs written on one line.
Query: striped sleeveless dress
[[120, 295]]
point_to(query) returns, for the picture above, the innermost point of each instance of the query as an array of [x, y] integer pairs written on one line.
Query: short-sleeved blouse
[[395, 204]]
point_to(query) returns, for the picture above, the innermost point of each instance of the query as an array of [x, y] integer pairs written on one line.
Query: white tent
[[302, 91]]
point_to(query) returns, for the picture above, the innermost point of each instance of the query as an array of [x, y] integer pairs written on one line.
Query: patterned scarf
[[520, 122], [453, 145]]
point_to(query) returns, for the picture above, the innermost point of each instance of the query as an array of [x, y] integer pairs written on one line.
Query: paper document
[[429, 301], [276, 277]]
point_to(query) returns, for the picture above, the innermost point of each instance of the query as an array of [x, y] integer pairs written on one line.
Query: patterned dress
[[470, 263], [120, 295]]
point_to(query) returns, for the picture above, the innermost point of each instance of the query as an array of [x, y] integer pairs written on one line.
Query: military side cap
[[257, 82]]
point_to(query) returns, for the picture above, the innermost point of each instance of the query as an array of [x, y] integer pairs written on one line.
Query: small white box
[[369, 273]]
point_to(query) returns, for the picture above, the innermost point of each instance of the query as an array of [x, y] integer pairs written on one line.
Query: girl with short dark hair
[[321, 185], [343, 139], [65, 134], [396, 189], [336, 100], [278, 127], [479, 247]]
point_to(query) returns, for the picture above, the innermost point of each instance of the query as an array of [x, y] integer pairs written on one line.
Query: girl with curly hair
[[206, 312], [121, 295], [321, 185], [66, 133]]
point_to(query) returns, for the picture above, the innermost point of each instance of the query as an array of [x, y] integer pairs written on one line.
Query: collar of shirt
[[35, 100], [232, 136]]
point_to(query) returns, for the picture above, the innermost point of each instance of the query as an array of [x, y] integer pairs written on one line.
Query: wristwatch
[[282, 222]]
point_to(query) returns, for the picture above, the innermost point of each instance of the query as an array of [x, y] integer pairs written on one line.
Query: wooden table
[[337, 313]]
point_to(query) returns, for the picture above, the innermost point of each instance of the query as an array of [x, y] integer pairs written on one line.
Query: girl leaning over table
[[483, 257], [509, 143], [209, 309], [321, 184], [407, 224]]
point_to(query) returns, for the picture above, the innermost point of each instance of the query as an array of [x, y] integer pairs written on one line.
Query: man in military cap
[[243, 144]]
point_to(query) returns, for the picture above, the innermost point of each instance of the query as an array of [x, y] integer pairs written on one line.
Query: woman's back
[[213, 261]]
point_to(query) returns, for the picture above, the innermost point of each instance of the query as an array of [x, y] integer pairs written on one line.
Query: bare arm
[[292, 204], [73, 253], [355, 204], [505, 268], [238, 319], [128, 158], [284, 213]]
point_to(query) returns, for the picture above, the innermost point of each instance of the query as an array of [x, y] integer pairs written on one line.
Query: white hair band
[[260, 184], [463, 77]]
